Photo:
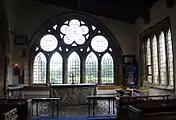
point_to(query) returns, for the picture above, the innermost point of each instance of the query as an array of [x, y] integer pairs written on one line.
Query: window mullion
[[151, 51], [47, 72], [167, 67], [99, 71]]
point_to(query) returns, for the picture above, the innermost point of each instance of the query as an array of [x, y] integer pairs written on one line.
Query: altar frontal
[[73, 94]]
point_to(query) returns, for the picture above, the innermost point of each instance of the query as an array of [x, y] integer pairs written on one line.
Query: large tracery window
[[75, 50]]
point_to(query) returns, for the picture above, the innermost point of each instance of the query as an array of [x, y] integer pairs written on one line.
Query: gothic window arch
[[39, 68], [74, 68], [155, 60], [91, 68], [56, 63], [107, 69], [77, 48]]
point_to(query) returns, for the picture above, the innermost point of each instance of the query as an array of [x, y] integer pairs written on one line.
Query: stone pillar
[[4, 39]]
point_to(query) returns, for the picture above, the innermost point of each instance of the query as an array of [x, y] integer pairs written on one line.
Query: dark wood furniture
[[8, 113], [123, 102], [93, 100], [51, 101], [124, 92], [153, 110], [24, 107]]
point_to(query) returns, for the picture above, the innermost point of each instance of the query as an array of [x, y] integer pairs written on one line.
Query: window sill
[[167, 88]]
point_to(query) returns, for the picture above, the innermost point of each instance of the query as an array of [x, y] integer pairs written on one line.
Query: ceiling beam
[[146, 17], [170, 3]]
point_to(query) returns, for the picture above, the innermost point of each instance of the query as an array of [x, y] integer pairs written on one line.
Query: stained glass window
[[107, 69], [56, 64], [74, 47], [99, 43], [74, 31], [39, 69], [155, 60], [162, 59], [148, 61], [48, 42], [91, 68], [74, 68], [170, 58]]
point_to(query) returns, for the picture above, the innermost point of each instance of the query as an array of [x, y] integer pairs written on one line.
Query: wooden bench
[[153, 110], [123, 102], [24, 107], [93, 100], [8, 113]]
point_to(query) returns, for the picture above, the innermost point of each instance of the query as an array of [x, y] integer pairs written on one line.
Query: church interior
[[80, 60]]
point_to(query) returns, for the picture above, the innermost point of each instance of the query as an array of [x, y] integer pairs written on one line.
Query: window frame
[[162, 26], [113, 44]]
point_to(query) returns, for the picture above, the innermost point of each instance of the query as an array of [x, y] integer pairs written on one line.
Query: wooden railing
[[154, 110], [123, 102]]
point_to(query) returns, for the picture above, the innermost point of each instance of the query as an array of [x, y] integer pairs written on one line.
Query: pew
[[123, 102], [153, 110], [24, 107], [8, 113]]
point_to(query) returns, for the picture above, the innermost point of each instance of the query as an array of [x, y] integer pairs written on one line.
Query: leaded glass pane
[[99, 43], [162, 57], [170, 58], [93, 27], [74, 68], [155, 60], [56, 64], [107, 66], [74, 31], [55, 27], [91, 68], [36, 49], [48, 42], [39, 69], [148, 61]]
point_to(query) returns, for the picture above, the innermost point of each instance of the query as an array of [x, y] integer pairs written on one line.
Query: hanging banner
[[130, 75]]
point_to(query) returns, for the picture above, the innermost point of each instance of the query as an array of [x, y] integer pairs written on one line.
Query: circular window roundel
[[48, 42], [74, 31], [99, 43]]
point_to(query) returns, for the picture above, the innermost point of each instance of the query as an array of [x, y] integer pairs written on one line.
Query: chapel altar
[[73, 94]]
